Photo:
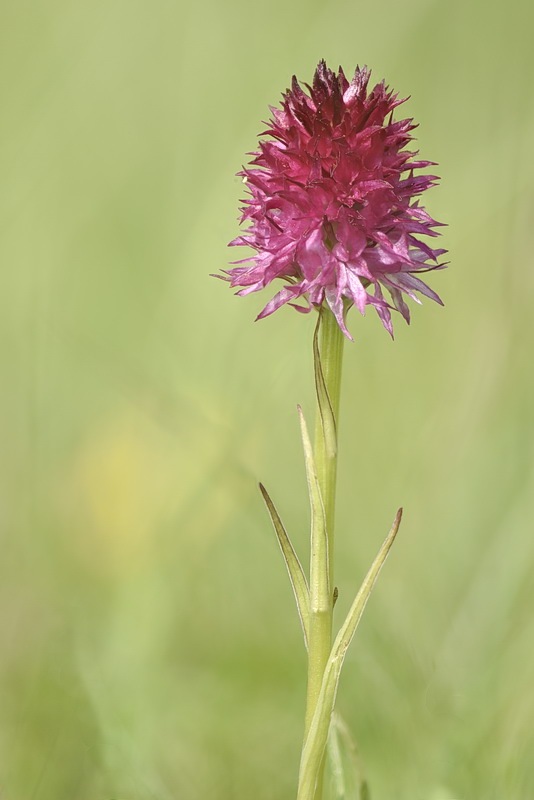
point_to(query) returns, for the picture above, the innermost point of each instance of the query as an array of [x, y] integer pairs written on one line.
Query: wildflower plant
[[333, 212]]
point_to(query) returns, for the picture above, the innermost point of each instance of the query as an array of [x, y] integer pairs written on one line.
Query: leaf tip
[[265, 494], [396, 524], [302, 418]]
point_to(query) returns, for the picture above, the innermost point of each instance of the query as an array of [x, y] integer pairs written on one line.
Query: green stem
[[331, 342], [321, 611]]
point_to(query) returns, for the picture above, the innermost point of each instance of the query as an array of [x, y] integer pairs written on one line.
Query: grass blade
[[297, 578], [345, 762], [319, 569]]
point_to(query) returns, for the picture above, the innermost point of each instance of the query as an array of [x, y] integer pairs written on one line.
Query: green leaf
[[336, 763], [314, 747], [294, 568], [326, 412], [320, 599], [345, 762]]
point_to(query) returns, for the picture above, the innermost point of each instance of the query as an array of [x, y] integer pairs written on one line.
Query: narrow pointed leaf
[[297, 578], [314, 747], [345, 762], [336, 764], [319, 569], [328, 422]]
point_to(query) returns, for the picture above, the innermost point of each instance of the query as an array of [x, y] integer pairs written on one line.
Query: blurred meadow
[[149, 648]]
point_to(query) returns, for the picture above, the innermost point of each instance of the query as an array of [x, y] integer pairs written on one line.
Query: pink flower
[[333, 208]]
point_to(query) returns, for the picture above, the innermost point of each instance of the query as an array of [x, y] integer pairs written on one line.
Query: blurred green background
[[149, 648]]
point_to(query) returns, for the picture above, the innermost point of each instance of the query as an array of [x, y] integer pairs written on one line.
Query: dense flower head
[[333, 209]]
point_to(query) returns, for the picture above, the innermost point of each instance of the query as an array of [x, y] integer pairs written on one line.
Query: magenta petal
[[281, 297], [382, 309], [312, 254], [407, 281], [356, 291], [301, 309], [400, 304], [335, 303]]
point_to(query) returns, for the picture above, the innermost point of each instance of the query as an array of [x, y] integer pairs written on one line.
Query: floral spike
[[297, 578], [334, 206]]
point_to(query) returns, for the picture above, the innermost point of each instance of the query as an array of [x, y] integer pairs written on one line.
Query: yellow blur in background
[[149, 648]]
